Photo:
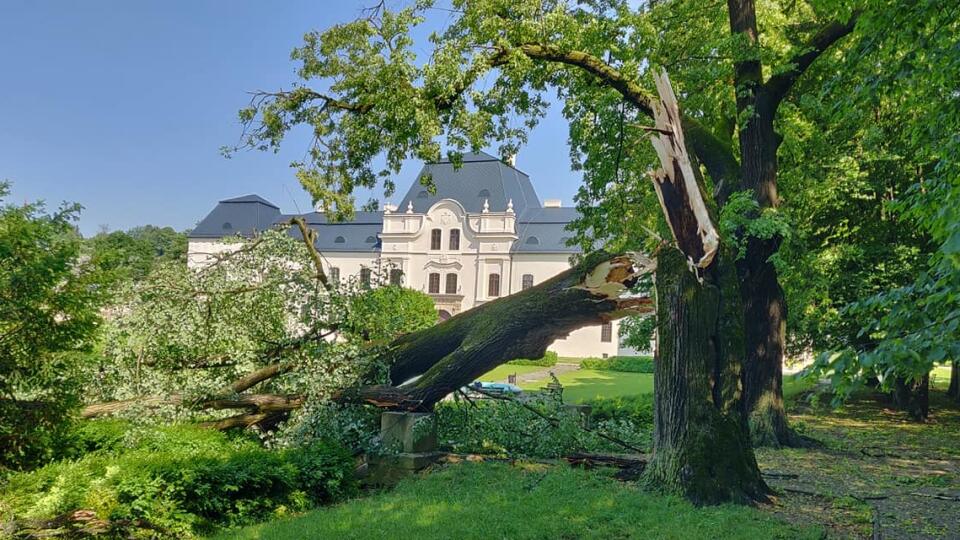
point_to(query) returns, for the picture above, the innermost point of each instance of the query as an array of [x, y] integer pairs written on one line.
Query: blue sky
[[123, 106]]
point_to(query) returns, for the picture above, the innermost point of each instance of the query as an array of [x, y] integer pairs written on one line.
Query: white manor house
[[482, 235]]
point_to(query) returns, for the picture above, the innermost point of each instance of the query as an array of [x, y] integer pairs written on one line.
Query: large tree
[[366, 96]]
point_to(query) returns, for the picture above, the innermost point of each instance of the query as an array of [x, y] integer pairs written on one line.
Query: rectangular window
[[606, 332], [334, 274], [527, 282], [396, 276], [435, 239], [454, 239], [433, 287], [365, 277], [493, 286], [451, 284]]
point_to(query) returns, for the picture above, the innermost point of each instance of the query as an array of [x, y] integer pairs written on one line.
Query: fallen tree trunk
[[432, 363], [453, 353]]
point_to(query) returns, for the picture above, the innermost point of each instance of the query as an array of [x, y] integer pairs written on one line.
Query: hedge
[[628, 364]]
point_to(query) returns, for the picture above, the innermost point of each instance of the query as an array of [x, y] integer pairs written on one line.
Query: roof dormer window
[[227, 226], [483, 193], [533, 241], [339, 240], [371, 239], [423, 195]]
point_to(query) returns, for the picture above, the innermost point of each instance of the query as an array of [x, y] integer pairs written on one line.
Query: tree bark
[[701, 446], [765, 315], [913, 397], [954, 390]]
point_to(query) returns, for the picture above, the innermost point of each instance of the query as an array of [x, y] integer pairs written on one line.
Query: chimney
[[552, 203]]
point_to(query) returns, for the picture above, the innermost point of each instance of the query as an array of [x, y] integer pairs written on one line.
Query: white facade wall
[[202, 252], [486, 241]]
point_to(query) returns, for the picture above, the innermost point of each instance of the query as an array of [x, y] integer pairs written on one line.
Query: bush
[[627, 364], [181, 481], [549, 360], [637, 409]]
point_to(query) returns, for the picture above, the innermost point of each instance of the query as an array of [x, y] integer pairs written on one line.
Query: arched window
[[454, 239], [365, 277], [423, 195], [493, 286], [339, 240], [533, 241], [435, 238], [334, 274], [451, 284], [484, 193], [396, 276], [527, 282], [606, 332], [433, 286], [371, 239], [227, 226]]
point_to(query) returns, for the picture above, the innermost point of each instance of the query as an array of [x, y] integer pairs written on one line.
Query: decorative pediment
[[444, 264]]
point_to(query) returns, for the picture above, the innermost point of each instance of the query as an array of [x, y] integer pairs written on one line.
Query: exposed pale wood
[[676, 182]]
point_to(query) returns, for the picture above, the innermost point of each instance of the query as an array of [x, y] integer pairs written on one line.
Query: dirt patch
[[876, 472]]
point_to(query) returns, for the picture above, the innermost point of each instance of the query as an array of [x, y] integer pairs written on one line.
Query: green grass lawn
[[940, 377], [793, 385], [522, 502], [587, 384], [500, 373]]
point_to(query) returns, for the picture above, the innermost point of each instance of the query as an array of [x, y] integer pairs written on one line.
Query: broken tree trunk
[[430, 364], [701, 445]]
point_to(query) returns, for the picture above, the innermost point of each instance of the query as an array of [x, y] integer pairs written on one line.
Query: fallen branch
[[620, 461], [940, 496], [555, 422]]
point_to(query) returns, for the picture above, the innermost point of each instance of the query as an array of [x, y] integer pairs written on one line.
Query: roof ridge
[[250, 198]]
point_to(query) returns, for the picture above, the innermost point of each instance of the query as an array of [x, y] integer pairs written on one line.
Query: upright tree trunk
[[701, 446], [913, 397], [765, 315], [954, 390], [763, 299]]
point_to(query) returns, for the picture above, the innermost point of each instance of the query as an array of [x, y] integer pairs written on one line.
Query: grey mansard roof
[[241, 215], [482, 177]]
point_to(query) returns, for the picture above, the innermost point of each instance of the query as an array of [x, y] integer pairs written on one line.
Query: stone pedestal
[[410, 444], [584, 411], [408, 431]]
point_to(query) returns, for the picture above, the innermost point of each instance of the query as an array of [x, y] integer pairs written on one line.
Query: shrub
[[181, 481], [637, 409], [628, 364], [549, 360]]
